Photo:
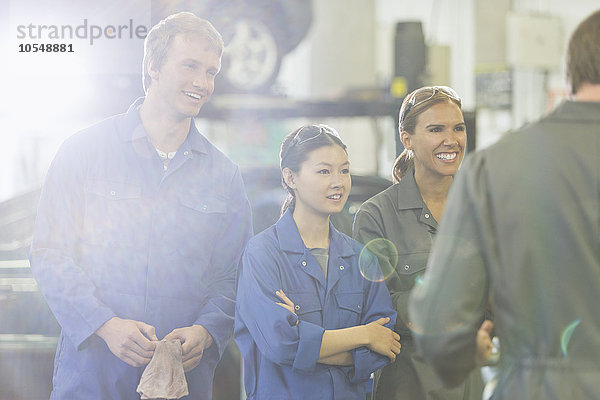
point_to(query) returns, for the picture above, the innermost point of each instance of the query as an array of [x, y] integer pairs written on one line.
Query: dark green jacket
[[397, 226], [521, 228]]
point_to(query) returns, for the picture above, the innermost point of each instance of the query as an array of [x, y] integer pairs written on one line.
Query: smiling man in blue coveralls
[[140, 229]]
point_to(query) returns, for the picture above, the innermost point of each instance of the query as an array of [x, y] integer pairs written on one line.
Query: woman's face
[[439, 140], [323, 182]]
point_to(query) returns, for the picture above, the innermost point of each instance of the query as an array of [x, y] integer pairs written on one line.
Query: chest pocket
[[204, 218], [113, 211], [349, 308], [410, 268], [202, 207], [307, 307], [207, 205]]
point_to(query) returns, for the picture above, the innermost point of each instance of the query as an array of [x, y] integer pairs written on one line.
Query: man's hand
[[382, 340], [484, 342], [129, 340], [194, 339]]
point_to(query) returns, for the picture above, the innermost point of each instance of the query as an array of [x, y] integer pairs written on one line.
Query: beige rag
[[164, 377]]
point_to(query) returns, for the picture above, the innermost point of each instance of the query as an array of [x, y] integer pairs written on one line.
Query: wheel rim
[[252, 55]]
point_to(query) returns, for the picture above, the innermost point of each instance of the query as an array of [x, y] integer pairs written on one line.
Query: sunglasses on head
[[412, 103], [308, 133]]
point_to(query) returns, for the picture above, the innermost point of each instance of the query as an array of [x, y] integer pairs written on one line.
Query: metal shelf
[[261, 107]]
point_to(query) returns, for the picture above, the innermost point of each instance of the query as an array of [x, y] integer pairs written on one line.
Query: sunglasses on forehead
[[310, 132], [412, 103]]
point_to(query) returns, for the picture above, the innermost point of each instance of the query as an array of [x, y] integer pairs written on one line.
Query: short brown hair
[[583, 55], [161, 35]]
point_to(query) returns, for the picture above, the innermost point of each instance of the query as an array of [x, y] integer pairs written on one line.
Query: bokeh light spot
[[419, 280], [387, 254]]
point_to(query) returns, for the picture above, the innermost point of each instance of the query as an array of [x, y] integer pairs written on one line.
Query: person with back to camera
[[400, 224], [526, 213], [140, 228], [308, 324]]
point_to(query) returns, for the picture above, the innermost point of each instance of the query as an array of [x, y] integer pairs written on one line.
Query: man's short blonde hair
[[161, 36]]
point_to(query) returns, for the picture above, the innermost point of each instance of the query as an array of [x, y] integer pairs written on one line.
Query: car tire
[[252, 57]]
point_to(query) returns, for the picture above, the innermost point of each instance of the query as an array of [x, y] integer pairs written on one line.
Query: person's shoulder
[[100, 127], [525, 134], [476, 167], [220, 165], [214, 152], [353, 243], [92, 137], [265, 239], [382, 200], [261, 247], [385, 196]]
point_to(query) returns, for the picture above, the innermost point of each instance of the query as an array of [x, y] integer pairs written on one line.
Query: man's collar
[[134, 130], [131, 129], [577, 110], [196, 141]]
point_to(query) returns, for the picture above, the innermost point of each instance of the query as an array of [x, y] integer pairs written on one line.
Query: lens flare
[[565, 338], [419, 280], [386, 253]]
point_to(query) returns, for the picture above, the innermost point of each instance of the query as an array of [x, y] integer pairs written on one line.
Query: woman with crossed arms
[[308, 324]]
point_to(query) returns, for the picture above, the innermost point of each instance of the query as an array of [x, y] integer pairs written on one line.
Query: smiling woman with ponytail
[[406, 215]]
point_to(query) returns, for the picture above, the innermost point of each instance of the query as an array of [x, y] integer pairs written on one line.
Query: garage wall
[[350, 45]]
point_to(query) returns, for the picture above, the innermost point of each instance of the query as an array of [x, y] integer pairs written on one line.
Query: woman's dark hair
[[296, 148], [414, 105], [583, 54]]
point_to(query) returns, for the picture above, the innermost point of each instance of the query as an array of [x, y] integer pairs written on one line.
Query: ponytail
[[404, 163], [290, 200]]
